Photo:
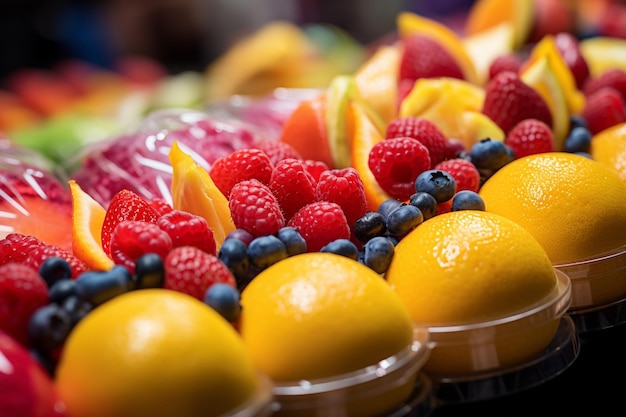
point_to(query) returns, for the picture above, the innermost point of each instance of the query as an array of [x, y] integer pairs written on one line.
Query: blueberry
[[437, 183], [404, 219], [426, 203], [490, 154], [266, 250], [378, 253], [343, 247], [224, 299], [76, 308], [292, 239], [578, 140], [241, 234], [44, 359], [149, 272], [467, 200], [97, 287], [576, 120], [48, 327], [62, 289], [371, 224], [234, 254], [54, 269], [388, 206]]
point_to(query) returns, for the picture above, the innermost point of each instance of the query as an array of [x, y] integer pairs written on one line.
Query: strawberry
[[255, 209], [344, 187], [125, 205], [132, 238], [320, 223], [529, 137], [396, 163], [614, 77], [277, 150], [188, 229], [463, 171], [243, 164], [507, 62], [569, 49], [603, 109], [424, 57], [292, 185], [22, 291], [424, 131], [193, 271], [508, 101]]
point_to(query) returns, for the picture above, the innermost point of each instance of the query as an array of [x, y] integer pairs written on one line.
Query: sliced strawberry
[[125, 205], [424, 57]]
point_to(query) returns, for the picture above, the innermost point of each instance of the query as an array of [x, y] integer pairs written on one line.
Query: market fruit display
[[315, 222]]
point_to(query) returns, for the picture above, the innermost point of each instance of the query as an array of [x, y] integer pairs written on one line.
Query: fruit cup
[[598, 290], [261, 403], [368, 391]]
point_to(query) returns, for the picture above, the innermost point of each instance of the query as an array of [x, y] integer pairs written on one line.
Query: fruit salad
[[287, 225]]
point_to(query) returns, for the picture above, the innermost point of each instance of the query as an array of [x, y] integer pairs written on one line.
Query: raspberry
[[39, 254], [292, 185], [22, 291], [464, 173], [243, 164], [396, 163], [125, 205], [529, 137], [15, 247], [507, 62], [424, 57], [188, 229], [603, 109], [424, 131], [255, 209], [320, 223], [131, 239], [615, 77], [160, 205], [344, 187], [277, 150], [192, 271], [315, 168]]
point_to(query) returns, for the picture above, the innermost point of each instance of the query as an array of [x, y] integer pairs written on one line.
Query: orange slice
[[194, 191], [365, 135], [409, 23], [87, 218], [485, 14]]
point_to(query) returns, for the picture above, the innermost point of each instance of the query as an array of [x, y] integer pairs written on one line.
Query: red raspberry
[[464, 173], [315, 168], [160, 205], [320, 223], [277, 150], [344, 187], [615, 77], [39, 254], [507, 62], [243, 164], [424, 57], [188, 229], [131, 239], [529, 137], [15, 247], [22, 291], [125, 205], [396, 163], [192, 271], [292, 185], [255, 209], [603, 109], [424, 131]]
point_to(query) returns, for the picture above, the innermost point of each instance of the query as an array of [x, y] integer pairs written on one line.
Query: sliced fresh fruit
[[365, 135], [340, 92], [485, 14], [305, 131], [478, 126], [603, 53], [485, 46], [194, 191], [409, 23], [87, 219], [609, 148], [377, 81]]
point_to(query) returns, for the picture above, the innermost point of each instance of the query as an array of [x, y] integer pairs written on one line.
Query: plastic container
[[260, 405], [479, 351], [598, 290], [392, 386]]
